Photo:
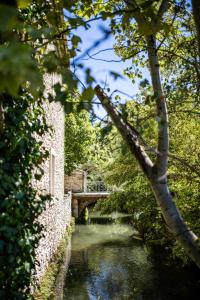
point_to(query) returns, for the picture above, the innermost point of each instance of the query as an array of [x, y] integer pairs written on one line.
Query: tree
[[79, 136], [149, 25], [134, 195]]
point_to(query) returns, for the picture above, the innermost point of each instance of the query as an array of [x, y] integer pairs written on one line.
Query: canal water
[[108, 264]]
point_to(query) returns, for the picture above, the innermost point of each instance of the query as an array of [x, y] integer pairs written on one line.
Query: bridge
[[84, 192]]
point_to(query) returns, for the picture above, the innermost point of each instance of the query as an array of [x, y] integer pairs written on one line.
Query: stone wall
[[76, 182], [57, 215]]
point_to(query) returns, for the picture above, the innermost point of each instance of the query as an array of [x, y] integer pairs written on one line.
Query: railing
[[97, 186]]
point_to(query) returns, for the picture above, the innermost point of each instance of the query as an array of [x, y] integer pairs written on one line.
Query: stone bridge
[[82, 200], [84, 192]]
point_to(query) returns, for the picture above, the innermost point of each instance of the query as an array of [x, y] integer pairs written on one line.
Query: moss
[[47, 284]]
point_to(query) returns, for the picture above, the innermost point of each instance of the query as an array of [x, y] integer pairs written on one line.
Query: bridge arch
[[82, 200], [84, 192]]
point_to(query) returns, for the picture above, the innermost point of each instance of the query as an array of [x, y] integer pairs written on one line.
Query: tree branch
[[196, 15], [162, 9], [130, 134], [138, 15], [184, 163], [163, 139], [101, 59]]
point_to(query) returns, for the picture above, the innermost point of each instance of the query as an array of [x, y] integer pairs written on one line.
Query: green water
[[106, 263]]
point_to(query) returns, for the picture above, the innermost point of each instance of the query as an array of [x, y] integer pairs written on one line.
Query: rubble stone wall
[[75, 182], [57, 215]]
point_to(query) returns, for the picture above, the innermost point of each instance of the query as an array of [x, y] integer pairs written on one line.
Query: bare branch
[[112, 60], [184, 163], [102, 50], [123, 93], [96, 44], [101, 59]]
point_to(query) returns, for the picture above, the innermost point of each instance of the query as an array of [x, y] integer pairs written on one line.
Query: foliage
[[137, 25], [79, 136], [20, 163], [26, 35], [133, 194], [32, 43]]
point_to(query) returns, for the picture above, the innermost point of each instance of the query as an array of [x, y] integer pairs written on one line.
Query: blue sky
[[101, 69]]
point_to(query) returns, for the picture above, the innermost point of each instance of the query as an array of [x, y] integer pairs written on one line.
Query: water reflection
[[106, 264], [95, 234]]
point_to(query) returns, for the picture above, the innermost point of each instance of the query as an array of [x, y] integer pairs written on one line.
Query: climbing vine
[[21, 156], [24, 59]]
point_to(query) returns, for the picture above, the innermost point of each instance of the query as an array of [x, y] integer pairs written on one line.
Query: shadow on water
[[106, 263]]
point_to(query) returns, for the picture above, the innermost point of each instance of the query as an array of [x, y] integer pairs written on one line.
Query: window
[[52, 173]]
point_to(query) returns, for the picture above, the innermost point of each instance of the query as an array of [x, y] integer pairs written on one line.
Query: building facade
[[56, 218]]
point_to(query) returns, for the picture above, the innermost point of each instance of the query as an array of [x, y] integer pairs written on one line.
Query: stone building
[[57, 216]]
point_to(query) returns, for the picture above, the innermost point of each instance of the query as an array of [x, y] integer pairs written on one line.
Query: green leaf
[[144, 83], [10, 56], [23, 3], [116, 75], [87, 94], [8, 18], [69, 107], [75, 40]]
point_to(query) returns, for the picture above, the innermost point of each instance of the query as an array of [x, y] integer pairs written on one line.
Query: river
[[108, 264]]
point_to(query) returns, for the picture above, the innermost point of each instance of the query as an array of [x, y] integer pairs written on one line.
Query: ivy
[[21, 156], [26, 32]]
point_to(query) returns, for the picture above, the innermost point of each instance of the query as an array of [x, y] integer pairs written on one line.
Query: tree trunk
[[162, 116], [158, 182], [188, 240], [196, 15]]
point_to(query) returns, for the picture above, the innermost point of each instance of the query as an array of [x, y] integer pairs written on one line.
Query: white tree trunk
[[188, 240], [158, 182]]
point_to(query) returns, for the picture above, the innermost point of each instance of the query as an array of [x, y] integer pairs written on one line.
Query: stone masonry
[[57, 215], [76, 182]]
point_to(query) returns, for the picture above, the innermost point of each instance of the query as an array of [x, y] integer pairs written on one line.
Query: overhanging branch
[[129, 133], [162, 9]]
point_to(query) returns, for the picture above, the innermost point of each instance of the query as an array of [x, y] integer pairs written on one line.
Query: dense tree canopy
[[79, 138], [134, 195]]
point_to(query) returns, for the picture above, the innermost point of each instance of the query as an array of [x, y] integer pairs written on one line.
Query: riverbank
[[48, 285]]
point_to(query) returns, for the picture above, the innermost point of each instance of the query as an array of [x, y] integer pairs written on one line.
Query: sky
[[101, 69]]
